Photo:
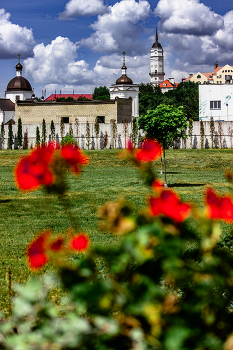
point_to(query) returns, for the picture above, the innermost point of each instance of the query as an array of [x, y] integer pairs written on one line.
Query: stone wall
[[35, 112], [223, 135]]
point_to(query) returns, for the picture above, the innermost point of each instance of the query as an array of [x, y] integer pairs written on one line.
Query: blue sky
[[78, 44]]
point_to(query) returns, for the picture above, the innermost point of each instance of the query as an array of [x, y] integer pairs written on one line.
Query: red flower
[[33, 170], [74, 157], [169, 204], [218, 207], [80, 242], [151, 150], [36, 253], [157, 185], [57, 244]]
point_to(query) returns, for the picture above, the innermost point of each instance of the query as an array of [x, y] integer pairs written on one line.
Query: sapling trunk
[[161, 165], [164, 162]]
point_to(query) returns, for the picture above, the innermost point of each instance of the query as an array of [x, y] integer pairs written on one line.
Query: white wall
[[223, 93], [23, 95], [226, 135], [6, 116]]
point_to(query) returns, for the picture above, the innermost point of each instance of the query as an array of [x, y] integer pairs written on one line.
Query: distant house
[[220, 75], [168, 85], [7, 110], [53, 97]]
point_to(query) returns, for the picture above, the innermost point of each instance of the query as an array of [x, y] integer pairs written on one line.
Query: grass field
[[105, 178]]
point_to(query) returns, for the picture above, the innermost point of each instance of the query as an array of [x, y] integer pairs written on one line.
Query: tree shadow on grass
[[4, 200], [185, 185]]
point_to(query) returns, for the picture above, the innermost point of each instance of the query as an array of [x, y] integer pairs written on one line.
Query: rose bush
[[168, 285]]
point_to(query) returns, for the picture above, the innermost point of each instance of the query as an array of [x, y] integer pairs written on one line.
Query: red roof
[[53, 97], [168, 84]]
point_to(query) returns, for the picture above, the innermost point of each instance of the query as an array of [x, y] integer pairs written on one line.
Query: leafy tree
[[2, 135], [212, 131], [25, 142], [149, 97], [114, 132], [105, 139], [88, 135], [10, 135], [202, 133], [62, 128], [97, 130], [38, 136], [134, 131], [52, 130], [187, 95], [77, 130], [44, 133], [71, 133], [166, 124], [101, 93], [19, 134]]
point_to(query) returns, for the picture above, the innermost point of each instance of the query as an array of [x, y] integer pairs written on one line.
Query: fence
[[221, 134]]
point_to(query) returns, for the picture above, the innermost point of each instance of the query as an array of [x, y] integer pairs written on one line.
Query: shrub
[[52, 130], [68, 140], [2, 135], [44, 133], [105, 139], [37, 136], [10, 135], [19, 134]]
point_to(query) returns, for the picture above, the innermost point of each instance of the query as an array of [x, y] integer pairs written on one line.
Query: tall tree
[[19, 134], [97, 130], [2, 135], [44, 133], [38, 137], [52, 130], [62, 128], [101, 93], [187, 95], [166, 124], [10, 135]]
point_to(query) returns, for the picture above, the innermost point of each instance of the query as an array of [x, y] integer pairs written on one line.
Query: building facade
[[216, 101], [156, 63], [220, 75], [33, 112]]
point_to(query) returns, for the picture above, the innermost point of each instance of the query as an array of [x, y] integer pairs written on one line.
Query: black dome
[[157, 45], [19, 84]]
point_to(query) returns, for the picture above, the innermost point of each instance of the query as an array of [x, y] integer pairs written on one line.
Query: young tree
[[202, 133], [126, 129], [105, 139], [97, 130], [19, 134], [38, 136], [2, 135], [190, 132], [25, 143], [71, 133], [134, 132], [10, 135], [43, 138], [166, 124], [220, 132], [52, 130], [114, 132], [62, 128], [77, 130], [88, 135], [101, 93], [212, 131]]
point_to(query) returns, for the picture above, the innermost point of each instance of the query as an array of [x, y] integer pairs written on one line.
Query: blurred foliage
[[152, 291], [101, 93], [68, 140]]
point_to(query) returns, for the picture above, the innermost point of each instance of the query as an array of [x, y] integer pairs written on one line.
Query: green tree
[[166, 124], [187, 95], [19, 134], [44, 133], [77, 130], [62, 128], [114, 132], [71, 133], [101, 93], [97, 130], [134, 132], [10, 135], [37, 136], [202, 133], [2, 135], [88, 135], [149, 97], [212, 131], [52, 130], [25, 142]]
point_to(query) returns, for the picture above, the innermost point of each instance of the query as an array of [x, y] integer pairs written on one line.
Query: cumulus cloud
[[13, 38], [118, 29], [56, 63], [76, 8], [187, 17]]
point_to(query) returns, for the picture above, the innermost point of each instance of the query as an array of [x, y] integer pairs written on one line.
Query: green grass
[[105, 178]]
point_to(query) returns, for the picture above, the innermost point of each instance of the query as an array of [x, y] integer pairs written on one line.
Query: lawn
[[107, 177]]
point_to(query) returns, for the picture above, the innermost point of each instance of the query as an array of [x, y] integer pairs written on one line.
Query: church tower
[[156, 63]]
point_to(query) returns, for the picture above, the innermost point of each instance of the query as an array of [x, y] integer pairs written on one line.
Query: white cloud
[[187, 17], [224, 36], [76, 8], [13, 38], [118, 29], [56, 63]]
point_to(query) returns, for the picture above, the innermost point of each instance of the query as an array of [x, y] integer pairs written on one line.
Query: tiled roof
[[6, 104], [168, 84], [53, 97]]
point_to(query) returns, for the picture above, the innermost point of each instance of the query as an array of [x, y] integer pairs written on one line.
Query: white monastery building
[[216, 101], [19, 88], [124, 88], [156, 63]]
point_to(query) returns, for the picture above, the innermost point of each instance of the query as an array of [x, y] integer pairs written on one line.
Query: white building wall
[[126, 91], [222, 93], [23, 95]]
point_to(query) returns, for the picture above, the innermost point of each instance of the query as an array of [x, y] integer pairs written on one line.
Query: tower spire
[[19, 57], [156, 37], [123, 53]]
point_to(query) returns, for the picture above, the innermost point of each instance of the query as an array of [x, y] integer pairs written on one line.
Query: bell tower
[[156, 62]]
